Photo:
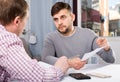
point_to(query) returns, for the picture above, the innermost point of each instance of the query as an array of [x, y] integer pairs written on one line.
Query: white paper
[[90, 54], [100, 75]]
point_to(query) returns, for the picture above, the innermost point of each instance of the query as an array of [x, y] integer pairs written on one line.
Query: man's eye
[[55, 19], [63, 17]]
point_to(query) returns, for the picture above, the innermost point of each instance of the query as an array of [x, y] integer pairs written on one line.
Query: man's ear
[[73, 16], [17, 20]]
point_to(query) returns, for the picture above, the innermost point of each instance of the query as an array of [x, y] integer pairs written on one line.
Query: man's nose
[[59, 22]]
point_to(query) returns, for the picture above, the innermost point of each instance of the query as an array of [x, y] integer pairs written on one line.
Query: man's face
[[63, 21]]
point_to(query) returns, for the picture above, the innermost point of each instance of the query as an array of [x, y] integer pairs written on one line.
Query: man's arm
[[48, 52], [20, 66], [107, 53]]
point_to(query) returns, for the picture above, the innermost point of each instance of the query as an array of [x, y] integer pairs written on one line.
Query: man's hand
[[102, 42], [62, 63], [76, 63]]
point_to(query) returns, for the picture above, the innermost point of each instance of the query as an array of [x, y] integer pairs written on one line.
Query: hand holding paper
[[77, 63], [90, 54]]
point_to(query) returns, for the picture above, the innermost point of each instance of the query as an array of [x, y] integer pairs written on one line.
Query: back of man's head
[[59, 6], [9, 9]]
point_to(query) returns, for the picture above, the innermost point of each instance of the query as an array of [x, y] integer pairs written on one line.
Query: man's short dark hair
[[9, 9], [59, 6]]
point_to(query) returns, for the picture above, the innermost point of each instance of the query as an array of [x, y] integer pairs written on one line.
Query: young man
[[69, 40], [13, 58]]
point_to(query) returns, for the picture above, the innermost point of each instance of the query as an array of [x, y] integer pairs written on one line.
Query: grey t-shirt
[[82, 41]]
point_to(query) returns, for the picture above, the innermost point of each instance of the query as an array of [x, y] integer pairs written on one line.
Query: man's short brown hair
[[59, 6], [9, 9]]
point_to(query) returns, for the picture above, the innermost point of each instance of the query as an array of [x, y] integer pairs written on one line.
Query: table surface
[[108, 69], [112, 70]]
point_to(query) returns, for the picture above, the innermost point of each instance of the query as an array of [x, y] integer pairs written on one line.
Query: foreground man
[[13, 57]]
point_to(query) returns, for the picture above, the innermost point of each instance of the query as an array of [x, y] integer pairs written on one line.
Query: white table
[[108, 69], [111, 69]]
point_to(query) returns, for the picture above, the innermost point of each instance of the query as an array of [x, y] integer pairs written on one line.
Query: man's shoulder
[[52, 34], [84, 29], [8, 37]]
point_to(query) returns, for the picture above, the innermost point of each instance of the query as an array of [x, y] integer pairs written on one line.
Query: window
[[99, 16]]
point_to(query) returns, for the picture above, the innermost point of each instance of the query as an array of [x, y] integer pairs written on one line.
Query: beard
[[64, 32]]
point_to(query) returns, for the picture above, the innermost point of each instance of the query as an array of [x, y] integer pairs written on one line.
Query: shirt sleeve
[[107, 56], [48, 51], [22, 67]]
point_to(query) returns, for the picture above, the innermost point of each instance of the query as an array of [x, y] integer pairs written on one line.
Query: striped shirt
[[19, 65]]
